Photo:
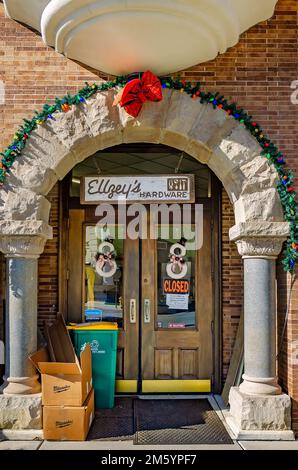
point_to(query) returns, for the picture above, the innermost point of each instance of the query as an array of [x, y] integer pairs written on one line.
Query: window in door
[[103, 275], [176, 266]]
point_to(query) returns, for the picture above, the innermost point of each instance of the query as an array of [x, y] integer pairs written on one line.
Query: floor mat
[[177, 422], [116, 424]]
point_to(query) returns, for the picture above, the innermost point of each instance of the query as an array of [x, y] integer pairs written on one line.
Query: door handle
[[146, 310], [132, 311]]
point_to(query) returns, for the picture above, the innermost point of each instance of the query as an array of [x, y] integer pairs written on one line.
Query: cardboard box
[[67, 381], [68, 423], [59, 344], [64, 383]]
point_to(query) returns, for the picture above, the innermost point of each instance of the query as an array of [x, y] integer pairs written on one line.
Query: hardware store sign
[[147, 189]]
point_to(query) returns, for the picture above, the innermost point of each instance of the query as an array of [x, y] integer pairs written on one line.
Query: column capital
[[259, 247], [259, 239], [22, 246], [23, 239]]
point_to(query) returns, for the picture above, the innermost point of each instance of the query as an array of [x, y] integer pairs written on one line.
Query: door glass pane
[[176, 281], [103, 275]]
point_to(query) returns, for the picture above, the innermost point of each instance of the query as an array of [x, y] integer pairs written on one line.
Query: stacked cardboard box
[[67, 393]]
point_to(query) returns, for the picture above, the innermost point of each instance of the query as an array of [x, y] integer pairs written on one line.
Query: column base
[[20, 412], [260, 386], [21, 385], [260, 417]]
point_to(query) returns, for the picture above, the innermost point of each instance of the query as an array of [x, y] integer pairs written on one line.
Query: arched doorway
[[164, 345], [210, 136]]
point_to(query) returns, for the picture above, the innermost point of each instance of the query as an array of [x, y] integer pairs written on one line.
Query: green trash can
[[103, 338]]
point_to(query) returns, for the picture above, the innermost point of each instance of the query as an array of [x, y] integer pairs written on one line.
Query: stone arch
[[210, 136]]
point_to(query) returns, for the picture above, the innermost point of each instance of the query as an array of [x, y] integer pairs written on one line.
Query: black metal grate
[[153, 422], [116, 424], [178, 422]]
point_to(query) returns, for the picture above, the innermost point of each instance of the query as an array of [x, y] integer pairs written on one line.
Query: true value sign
[[146, 189]]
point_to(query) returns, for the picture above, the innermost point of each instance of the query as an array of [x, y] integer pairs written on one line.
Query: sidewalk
[[128, 445]]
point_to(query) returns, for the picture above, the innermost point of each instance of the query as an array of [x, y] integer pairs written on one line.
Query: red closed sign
[[174, 286]]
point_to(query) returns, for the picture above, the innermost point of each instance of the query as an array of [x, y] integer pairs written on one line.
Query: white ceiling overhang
[[124, 36]]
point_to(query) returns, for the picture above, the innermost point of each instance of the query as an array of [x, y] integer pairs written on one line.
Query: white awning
[[124, 36]]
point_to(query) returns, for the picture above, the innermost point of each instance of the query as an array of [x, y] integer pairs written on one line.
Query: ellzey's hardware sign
[[147, 189]]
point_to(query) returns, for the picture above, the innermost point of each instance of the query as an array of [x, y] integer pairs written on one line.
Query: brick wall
[[48, 267], [256, 73], [232, 284]]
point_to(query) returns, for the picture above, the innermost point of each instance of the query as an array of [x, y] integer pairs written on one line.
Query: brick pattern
[[232, 285], [48, 267], [257, 74]]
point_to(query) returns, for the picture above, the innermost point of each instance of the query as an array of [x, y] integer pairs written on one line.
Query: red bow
[[137, 91]]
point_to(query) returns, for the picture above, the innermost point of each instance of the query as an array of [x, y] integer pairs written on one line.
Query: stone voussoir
[[24, 204], [239, 146], [182, 113], [263, 204], [34, 177], [257, 174], [207, 123], [100, 114]]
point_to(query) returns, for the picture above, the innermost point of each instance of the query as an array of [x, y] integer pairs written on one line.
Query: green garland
[[270, 151]]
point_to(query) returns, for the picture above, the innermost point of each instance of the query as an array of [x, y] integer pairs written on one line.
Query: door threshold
[[170, 396], [175, 396]]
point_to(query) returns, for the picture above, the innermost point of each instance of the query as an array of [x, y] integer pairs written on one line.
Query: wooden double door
[[167, 321]]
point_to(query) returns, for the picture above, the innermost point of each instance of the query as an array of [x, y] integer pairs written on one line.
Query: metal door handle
[[132, 311], [146, 310]]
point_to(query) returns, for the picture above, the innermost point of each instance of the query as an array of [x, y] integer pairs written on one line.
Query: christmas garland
[[270, 151]]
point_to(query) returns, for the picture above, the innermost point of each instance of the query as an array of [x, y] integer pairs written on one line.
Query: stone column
[[20, 402], [21, 318], [260, 326], [258, 408]]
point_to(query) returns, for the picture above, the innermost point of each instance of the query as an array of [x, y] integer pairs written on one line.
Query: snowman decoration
[[106, 265], [177, 266]]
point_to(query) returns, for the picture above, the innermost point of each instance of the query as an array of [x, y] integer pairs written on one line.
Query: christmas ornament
[[106, 265], [177, 267]]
